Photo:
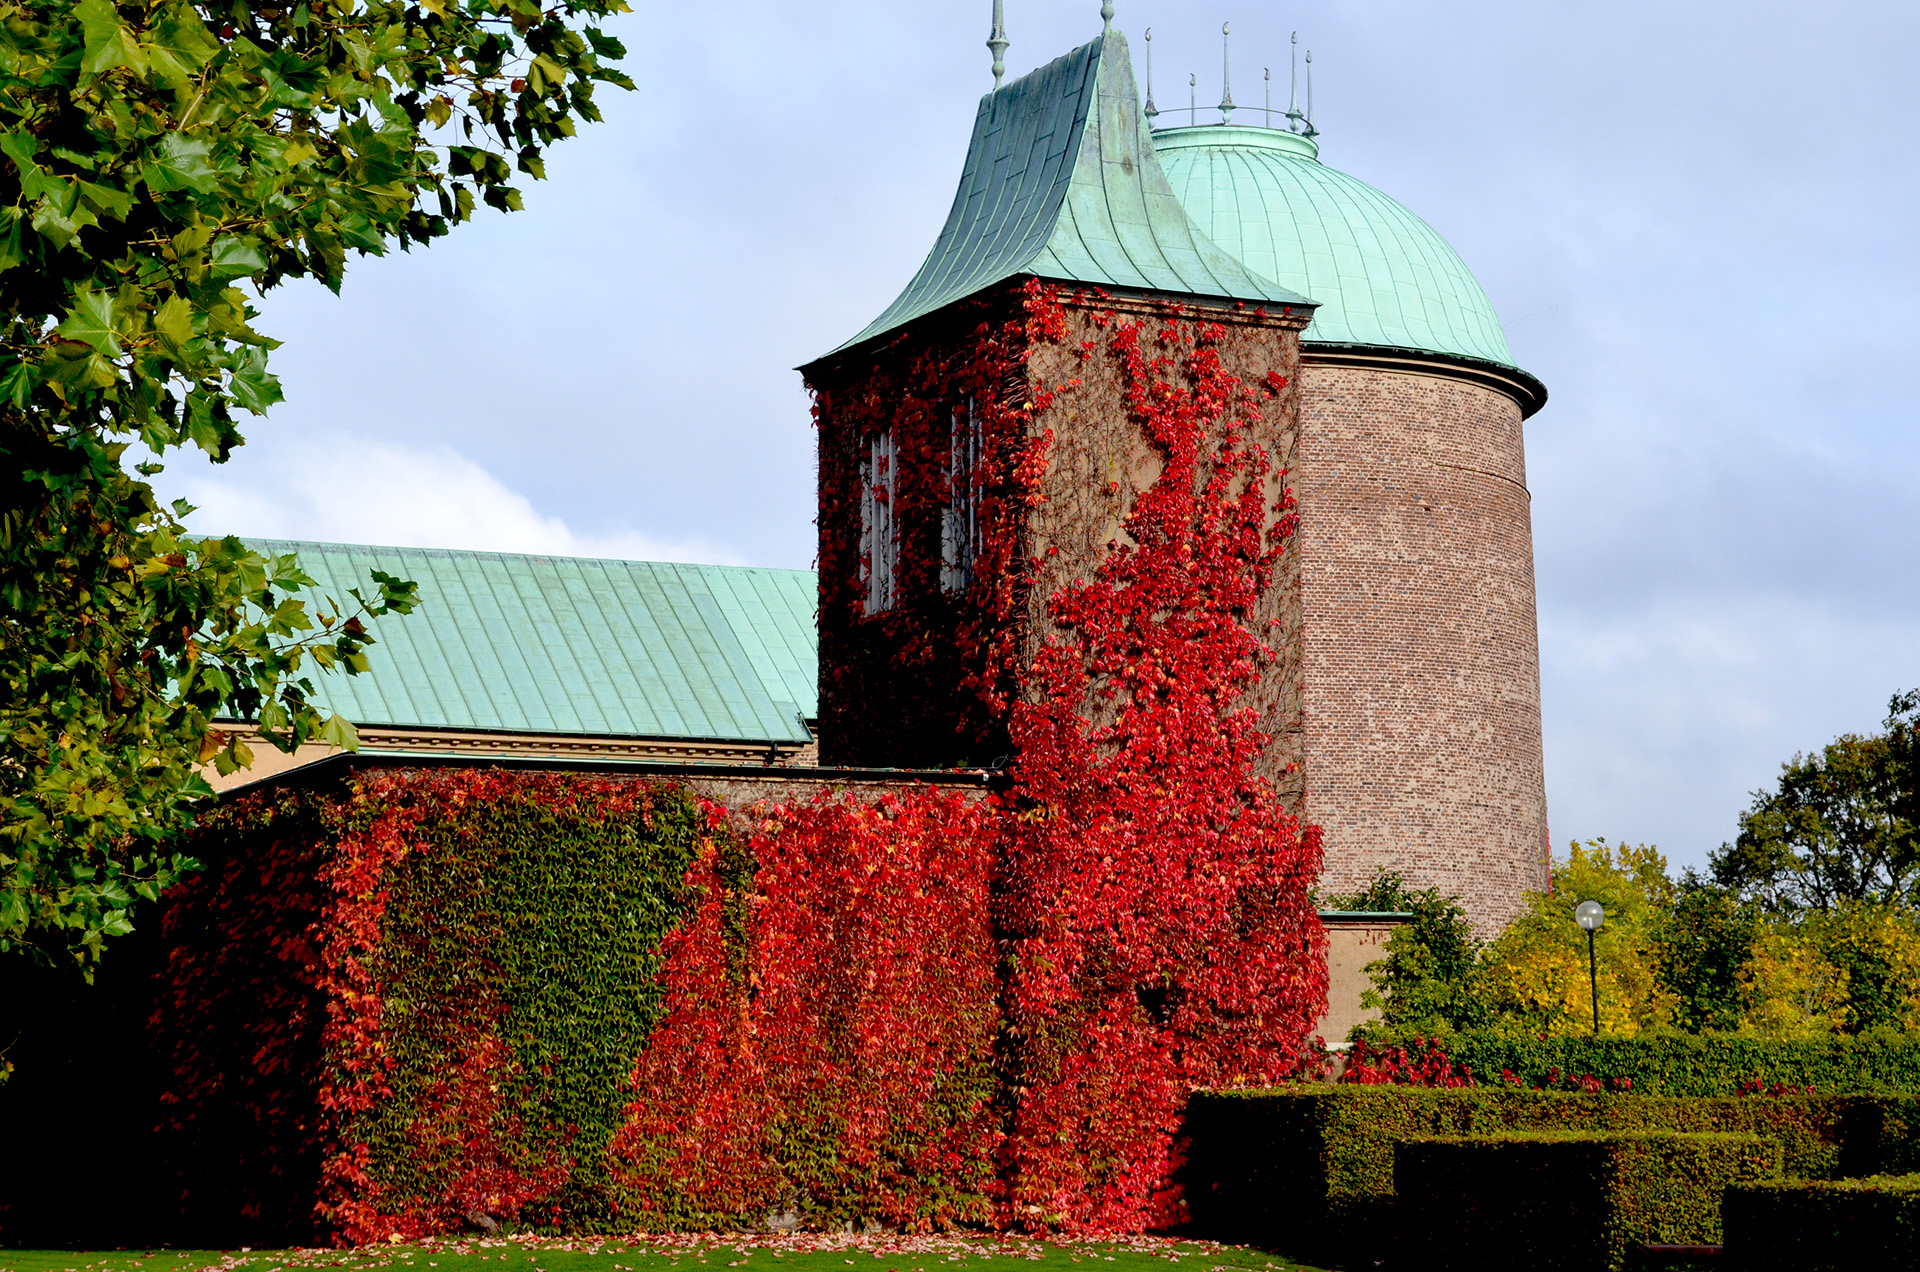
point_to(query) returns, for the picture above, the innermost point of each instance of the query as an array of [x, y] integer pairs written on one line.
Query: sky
[[1697, 221]]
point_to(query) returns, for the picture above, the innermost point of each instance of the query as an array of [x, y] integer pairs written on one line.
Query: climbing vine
[[1154, 902], [847, 1074], [603, 1004]]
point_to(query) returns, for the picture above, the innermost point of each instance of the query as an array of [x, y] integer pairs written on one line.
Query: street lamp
[[1590, 915]]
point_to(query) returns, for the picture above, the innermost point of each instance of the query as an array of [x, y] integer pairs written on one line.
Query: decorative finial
[[1106, 15], [1311, 130], [1293, 88], [1267, 74], [998, 43], [1226, 76], [1193, 98], [1151, 110]]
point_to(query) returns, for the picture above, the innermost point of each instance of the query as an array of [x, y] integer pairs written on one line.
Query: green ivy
[[534, 916]]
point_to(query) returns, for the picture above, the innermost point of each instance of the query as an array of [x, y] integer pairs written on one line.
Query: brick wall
[[1421, 650]]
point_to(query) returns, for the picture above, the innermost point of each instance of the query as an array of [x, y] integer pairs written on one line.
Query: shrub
[[1566, 1202], [1816, 1225], [1431, 976], [1705, 1065], [1310, 1169]]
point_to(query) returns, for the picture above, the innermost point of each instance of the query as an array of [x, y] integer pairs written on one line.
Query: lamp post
[[1590, 915]]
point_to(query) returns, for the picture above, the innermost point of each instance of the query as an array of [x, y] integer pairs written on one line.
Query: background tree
[[1537, 976], [1842, 825], [1704, 945], [160, 162]]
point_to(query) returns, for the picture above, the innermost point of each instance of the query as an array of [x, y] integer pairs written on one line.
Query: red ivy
[[1154, 901], [1422, 1063], [845, 1062]]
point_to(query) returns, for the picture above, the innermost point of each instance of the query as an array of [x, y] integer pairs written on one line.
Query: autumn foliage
[[600, 1004]]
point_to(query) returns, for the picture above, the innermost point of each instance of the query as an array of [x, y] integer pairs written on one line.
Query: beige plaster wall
[[1352, 944]]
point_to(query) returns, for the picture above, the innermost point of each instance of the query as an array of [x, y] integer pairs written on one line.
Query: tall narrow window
[[879, 536], [960, 519]]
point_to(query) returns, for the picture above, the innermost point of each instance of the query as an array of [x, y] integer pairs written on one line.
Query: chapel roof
[[1061, 182], [578, 646]]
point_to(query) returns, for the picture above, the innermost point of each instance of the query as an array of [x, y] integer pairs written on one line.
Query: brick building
[[1407, 709]]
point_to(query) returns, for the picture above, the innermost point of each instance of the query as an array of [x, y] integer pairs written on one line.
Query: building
[[1406, 708], [1339, 522], [1420, 650]]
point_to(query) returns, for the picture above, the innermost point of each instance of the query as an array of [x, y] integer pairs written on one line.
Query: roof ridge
[[258, 542]]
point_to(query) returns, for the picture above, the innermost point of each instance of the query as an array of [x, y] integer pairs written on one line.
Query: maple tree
[[161, 163]]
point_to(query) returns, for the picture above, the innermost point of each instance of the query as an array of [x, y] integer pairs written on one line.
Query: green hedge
[[1309, 1169], [1707, 1064], [1814, 1225], [1565, 1202]]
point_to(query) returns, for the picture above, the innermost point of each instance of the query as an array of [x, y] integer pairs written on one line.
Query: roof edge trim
[[1526, 389]]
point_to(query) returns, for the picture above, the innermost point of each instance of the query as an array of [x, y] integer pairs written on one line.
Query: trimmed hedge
[[1566, 1202], [1814, 1225], [1707, 1064], [1310, 1168]]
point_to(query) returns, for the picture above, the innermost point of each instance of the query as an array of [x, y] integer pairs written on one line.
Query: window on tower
[[879, 535], [960, 518]]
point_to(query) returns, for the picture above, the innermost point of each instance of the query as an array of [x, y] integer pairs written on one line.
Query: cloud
[[359, 491]]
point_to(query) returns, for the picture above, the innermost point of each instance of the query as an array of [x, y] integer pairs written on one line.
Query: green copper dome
[[1383, 277]]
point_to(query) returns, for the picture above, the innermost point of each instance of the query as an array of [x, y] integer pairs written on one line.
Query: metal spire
[[998, 42], [1226, 76], [1267, 74], [1106, 15], [1151, 110], [1193, 98]]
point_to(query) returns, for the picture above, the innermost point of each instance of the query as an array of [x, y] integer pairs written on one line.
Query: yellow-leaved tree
[[1536, 970], [1849, 969]]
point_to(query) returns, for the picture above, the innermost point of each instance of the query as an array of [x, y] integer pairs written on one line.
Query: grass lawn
[[802, 1253]]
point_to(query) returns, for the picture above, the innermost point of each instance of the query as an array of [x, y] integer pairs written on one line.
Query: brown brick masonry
[[1421, 660]]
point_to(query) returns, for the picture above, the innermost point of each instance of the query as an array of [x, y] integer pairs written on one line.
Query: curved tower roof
[[1061, 183], [1384, 277]]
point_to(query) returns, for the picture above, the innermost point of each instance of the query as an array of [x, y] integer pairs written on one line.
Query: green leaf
[[252, 386], [35, 181], [173, 321], [108, 44], [107, 200], [59, 219], [234, 257], [180, 46], [180, 163], [338, 731], [90, 321]]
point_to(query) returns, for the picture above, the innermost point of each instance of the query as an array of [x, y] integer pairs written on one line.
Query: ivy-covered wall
[[592, 1003], [417, 998], [428, 1001]]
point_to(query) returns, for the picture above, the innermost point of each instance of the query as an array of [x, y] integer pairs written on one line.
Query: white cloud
[[358, 491]]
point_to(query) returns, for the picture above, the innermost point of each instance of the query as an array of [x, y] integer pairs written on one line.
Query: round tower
[[1420, 647]]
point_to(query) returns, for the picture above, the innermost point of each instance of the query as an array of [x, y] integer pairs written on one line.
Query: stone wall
[[1421, 648]]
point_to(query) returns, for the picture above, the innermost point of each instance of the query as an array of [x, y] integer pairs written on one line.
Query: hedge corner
[[1566, 1202], [1812, 1225]]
